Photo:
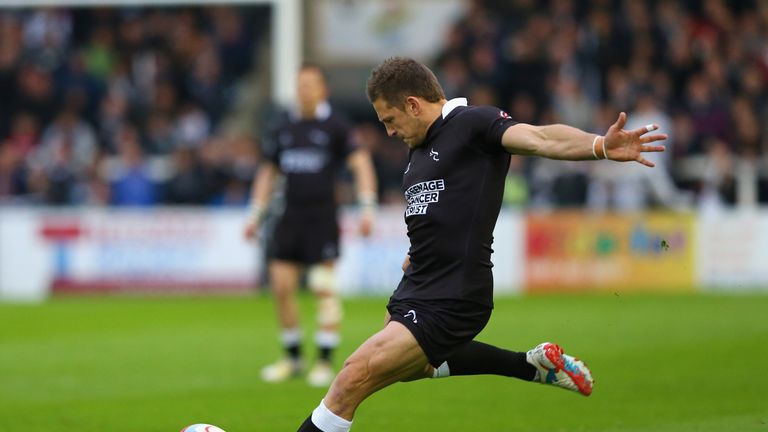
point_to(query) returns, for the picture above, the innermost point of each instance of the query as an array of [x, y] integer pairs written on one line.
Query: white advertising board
[[733, 251], [26, 264], [158, 250], [372, 265], [196, 250], [509, 253]]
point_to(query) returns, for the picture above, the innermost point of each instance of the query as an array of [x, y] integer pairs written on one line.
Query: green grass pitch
[[661, 363]]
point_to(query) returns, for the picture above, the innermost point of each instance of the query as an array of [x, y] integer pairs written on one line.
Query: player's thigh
[[285, 276]]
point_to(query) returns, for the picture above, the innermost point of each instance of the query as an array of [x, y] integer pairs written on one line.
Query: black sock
[[293, 351], [477, 358], [325, 353], [308, 426]]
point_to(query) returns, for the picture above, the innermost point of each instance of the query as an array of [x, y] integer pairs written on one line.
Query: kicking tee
[[453, 186]]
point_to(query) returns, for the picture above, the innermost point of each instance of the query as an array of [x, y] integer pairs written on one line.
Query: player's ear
[[412, 105]]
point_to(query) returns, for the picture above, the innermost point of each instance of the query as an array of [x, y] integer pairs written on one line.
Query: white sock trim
[[327, 421], [442, 371], [327, 339], [290, 336]]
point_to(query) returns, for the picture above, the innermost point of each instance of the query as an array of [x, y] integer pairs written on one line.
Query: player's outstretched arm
[[261, 191], [568, 143]]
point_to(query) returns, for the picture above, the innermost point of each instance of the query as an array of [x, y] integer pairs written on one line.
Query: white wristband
[[367, 201], [594, 153], [257, 212], [605, 151]]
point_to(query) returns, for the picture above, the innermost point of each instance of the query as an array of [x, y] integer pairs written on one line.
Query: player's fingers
[[366, 225], [645, 129], [250, 232], [621, 121], [652, 138], [652, 149], [646, 162]]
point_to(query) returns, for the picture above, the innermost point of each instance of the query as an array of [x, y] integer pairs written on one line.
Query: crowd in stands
[[698, 68], [123, 106], [115, 106]]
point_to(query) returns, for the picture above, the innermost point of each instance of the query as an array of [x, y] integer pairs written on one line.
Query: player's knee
[[329, 311], [353, 379], [322, 279], [350, 387]]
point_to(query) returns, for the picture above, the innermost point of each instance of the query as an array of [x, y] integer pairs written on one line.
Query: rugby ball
[[202, 428]]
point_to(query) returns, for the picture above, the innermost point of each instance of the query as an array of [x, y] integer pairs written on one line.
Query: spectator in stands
[[718, 177], [186, 186], [112, 114], [158, 133], [69, 137], [13, 174], [24, 136], [205, 85], [34, 92], [234, 41], [193, 126], [131, 183]]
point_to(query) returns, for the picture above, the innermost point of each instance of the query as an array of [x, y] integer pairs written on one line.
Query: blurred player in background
[[309, 147], [454, 183]]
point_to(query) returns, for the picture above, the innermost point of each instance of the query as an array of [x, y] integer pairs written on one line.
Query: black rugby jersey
[[309, 152], [453, 185]]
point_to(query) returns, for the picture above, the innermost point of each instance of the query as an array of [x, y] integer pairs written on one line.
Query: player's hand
[[366, 223], [251, 230], [625, 146], [406, 262]]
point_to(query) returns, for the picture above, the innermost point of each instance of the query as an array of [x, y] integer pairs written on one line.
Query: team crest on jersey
[[421, 195], [434, 155], [502, 114]]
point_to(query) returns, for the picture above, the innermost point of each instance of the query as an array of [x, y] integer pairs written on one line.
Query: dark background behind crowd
[[119, 106]]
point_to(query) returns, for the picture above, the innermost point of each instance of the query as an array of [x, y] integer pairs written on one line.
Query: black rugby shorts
[[440, 326], [307, 236]]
